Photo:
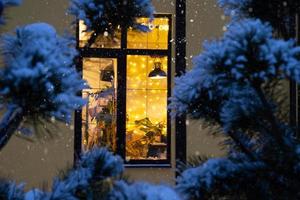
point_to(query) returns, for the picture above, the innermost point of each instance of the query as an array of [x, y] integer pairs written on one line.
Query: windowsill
[[127, 165]]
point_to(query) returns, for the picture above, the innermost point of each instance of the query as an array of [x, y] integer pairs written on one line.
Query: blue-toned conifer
[[35, 81], [107, 16], [227, 88]]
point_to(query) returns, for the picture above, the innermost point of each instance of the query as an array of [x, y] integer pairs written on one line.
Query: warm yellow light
[[143, 99]]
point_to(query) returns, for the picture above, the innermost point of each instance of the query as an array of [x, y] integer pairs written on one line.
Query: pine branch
[[275, 128], [10, 123], [242, 146]]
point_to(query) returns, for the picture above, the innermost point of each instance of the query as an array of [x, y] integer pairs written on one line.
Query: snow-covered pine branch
[[107, 16], [38, 78], [279, 13], [226, 88], [7, 3], [9, 190], [98, 176], [141, 190]]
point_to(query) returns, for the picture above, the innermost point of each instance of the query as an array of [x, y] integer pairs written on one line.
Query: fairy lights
[[157, 38], [145, 97]]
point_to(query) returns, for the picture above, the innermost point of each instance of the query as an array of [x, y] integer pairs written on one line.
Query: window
[[129, 78]]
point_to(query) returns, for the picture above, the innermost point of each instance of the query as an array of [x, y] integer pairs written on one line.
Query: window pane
[[136, 104], [157, 38], [136, 72], [99, 115], [146, 108], [88, 39]]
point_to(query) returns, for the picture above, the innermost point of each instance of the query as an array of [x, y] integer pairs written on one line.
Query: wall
[[205, 21], [36, 163]]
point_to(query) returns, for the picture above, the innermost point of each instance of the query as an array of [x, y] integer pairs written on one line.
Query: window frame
[[120, 54]]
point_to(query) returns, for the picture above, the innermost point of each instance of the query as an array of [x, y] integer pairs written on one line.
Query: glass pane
[[89, 39], [99, 114], [136, 72], [136, 104], [146, 108], [157, 38]]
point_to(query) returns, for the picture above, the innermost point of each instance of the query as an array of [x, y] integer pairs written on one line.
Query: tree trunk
[[10, 123]]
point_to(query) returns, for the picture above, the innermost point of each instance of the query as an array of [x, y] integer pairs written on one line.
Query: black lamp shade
[[157, 72]]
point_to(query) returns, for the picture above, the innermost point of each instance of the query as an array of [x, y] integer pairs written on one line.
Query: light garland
[[143, 90]]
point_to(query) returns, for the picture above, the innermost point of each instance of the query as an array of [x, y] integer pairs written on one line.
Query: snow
[[11, 191], [140, 190], [44, 30], [199, 182], [101, 165], [11, 2], [276, 12], [7, 3], [106, 15], [47, 74], [227, 88], [97, 164], [226, 60]]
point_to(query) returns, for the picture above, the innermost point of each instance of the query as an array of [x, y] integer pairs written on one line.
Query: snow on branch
[[279, 13], [99, 176], [103, 16], [39, 75], [141, 190], [7, 3], [11, 191], [89, 180], [218, 176], [247, 55]]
